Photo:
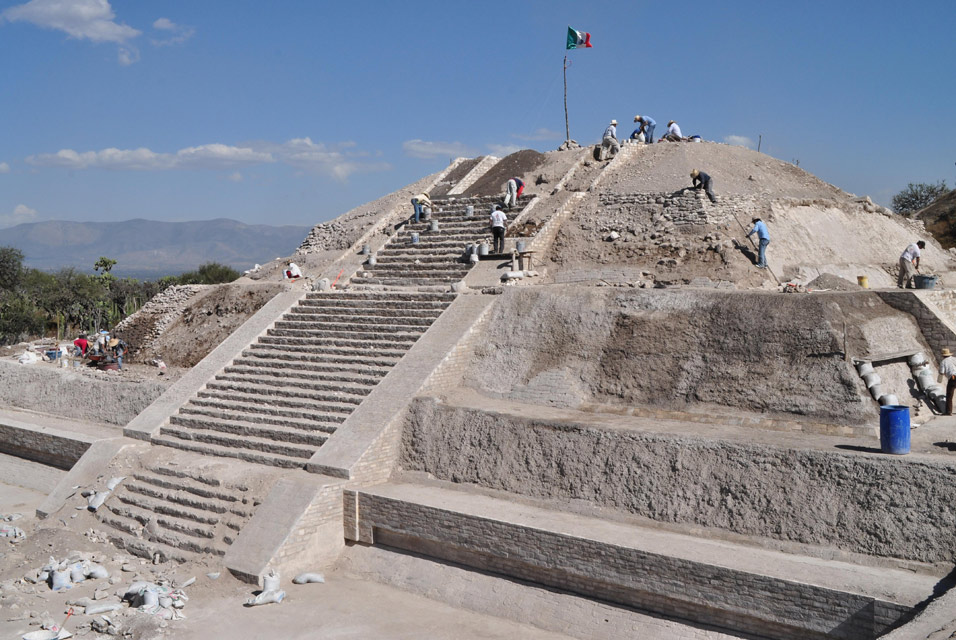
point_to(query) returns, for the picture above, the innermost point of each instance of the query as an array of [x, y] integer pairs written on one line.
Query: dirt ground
[[340, 609]]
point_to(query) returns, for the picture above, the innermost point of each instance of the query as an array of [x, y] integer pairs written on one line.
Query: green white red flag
[[578, 39]]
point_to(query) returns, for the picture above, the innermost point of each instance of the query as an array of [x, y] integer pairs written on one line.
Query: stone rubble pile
[[327, 236], [146, 325]]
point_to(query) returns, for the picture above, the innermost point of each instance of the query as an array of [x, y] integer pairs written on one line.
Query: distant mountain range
[[147, 249]]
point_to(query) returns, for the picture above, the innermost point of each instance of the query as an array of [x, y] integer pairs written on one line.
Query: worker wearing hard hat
[[647, 123], [609, 143], [701, 180]]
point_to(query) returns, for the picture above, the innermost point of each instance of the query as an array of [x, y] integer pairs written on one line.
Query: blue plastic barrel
[[895, 429]]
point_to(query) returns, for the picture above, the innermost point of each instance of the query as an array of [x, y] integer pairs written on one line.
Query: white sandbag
[[60, 580], [112, 484], [96, 500], [266, 597], [270, 582], [103, 608], [78, 572], [306, 578], [97, 571]]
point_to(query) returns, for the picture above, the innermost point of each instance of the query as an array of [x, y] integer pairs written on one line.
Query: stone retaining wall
[[859, 503]]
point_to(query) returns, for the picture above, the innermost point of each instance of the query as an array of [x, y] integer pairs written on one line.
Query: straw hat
[[946, 352], [671, 122], [614, 122], [694, 173], [636, 118], [113, 342]]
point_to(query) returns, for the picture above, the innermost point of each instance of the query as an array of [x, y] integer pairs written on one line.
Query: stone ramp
[[436, 260], [285, 395], [734, 586], [182, 506]]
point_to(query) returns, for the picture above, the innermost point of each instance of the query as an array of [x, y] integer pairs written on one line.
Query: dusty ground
[[337, 610]]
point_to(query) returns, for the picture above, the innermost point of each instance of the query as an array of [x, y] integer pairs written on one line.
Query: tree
[[209, 273], [11, 268], [917, 196]]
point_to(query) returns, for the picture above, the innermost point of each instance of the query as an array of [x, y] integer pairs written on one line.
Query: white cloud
[[83, 19], [174, 33], [4, 167], [740, 141], [92, 20], [21, 213], [502, 150], [427, 149], [540, 134], [235, 177], [337, 161]]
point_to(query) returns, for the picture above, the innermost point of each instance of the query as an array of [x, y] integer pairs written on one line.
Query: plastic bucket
[[895, 429], [925, 282], [470, 210], [415, 238], [863, 281], [433, 226], [519, 246], [482, 249]]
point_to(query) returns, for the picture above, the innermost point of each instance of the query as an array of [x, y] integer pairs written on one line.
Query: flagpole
[[567, 128]]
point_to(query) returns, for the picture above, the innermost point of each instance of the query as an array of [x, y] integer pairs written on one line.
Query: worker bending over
[[909, 265], [419, 203], [513, 190], [702, 181], [646, 127]]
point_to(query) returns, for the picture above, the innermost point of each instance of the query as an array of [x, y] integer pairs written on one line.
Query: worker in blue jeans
[[760, 228]]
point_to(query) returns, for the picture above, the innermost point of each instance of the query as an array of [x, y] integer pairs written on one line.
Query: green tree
[[917, 196], [11, 268], [209, 273]]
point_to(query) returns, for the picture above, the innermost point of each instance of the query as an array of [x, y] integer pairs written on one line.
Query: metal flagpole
[[567, 128]]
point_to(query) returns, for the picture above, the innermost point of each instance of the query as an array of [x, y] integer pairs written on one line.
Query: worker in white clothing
[[947, 372], [609, 143], [498, 221], [909, 265], [293, 272], [673, 132]]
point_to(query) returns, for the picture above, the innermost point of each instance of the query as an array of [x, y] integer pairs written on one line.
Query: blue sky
[[294, 111]]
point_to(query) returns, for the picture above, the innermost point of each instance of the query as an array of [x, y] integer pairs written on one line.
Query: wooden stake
[[567, 128]]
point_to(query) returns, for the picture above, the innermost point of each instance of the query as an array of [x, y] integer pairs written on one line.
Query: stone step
[[308, 370], [338, 345], [389, 326], [170, 487], [205, 448], [252, 444], [329, 302], [331, 356], [376, 312], [267, 413], [410, 267], [325, 424], [346, 333], [268, 403], [424, 259], [191, 506], [295, 434], [339, 389], [391, 297], [171, 523], [405, 282], [367, 322], [283, 391], [165, 538], [147, 549]]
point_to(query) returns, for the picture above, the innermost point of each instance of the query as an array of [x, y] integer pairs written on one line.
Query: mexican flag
[[578, 39]]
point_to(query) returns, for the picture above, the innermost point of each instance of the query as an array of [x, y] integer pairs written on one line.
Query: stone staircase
[[286, 394], [437, 259], [178, 513]]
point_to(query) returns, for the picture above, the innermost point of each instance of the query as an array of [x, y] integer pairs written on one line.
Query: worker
[[101, 340], [760, 228], [609, 144], [647, 124], [673, 132], [420, 203], [498, 220], [80, 346], [293, 272], [909, 265], [702, 181], [513, 190], [119, 348], [947, 372]]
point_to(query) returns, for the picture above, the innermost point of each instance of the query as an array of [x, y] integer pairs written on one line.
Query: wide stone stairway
[[438, 257], [286, 394]]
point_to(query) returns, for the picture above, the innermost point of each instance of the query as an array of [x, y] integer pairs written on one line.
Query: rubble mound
[[832, 283], [520, 163]]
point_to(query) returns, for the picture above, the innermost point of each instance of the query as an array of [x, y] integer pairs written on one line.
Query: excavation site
[[617, 426]]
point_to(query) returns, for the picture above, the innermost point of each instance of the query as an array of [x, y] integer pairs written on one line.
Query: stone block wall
[[688, 207], [937, 330], [676, 587], [315, 539], [60, 450]]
